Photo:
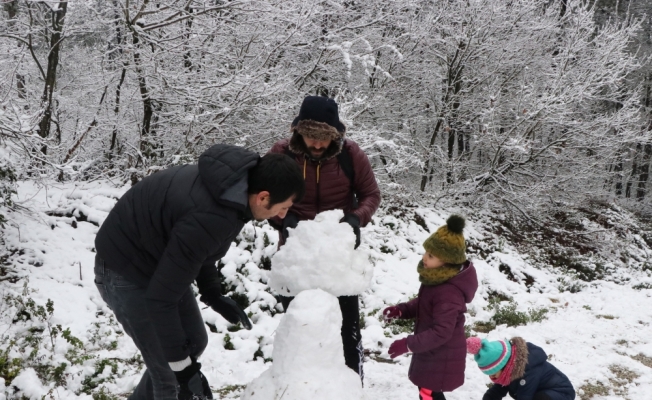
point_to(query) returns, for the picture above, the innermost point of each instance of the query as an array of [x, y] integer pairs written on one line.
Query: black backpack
[[346, 163]]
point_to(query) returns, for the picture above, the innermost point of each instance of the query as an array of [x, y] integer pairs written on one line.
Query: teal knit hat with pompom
[[491, 356]]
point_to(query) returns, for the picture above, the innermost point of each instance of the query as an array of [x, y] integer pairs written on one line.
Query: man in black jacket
[[168, 231]]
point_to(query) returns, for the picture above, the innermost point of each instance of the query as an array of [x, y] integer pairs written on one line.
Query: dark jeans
[[351, 337], [127, 301]]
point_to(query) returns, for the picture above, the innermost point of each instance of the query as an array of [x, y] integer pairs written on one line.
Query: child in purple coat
[[448, 282]]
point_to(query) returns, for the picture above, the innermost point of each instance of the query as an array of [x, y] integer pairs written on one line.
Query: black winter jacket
[[170, 229], [540, 376]]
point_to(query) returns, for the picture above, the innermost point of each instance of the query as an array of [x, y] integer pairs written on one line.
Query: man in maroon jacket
[[338, 175]]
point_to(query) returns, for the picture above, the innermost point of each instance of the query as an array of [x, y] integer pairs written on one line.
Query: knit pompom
[[473, 345], [455, 223]]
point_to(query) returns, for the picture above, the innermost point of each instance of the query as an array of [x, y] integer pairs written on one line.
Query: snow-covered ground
[[599, 336]]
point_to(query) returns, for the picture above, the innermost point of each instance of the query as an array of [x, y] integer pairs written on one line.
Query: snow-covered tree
[[524, 104]]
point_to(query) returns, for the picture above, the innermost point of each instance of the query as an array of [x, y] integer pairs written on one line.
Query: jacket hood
[[224, 169], [466, 281], [522, 357], [298, 146]]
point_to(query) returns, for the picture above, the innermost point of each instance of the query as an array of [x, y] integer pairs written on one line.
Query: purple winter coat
[[328, 187], [439, 344]]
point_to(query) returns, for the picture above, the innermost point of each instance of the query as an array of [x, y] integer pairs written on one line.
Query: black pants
[[127, 301], [351, 337]]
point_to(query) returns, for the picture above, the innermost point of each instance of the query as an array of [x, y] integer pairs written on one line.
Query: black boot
[[205, 386]]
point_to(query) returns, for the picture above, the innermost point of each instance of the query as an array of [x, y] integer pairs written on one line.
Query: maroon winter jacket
[[327, 186], [439, 344]]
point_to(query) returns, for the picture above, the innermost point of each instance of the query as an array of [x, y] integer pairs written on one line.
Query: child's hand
[[399, 347], [391, 313]]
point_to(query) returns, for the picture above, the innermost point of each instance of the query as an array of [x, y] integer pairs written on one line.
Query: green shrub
[[508, 315], [642, 286], [38, 343], [538, 314], [92, 381], [7, 188], [484, 326], [229, 389], [228, 345], [102, 394], [361, 322], [9, 367], [398, 326], [569, 286], [590, 390], [468, 332]]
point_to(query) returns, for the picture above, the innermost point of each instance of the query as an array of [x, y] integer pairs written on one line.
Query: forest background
[[529, 107]]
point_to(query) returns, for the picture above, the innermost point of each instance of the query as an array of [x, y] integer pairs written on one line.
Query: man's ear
[[262, 198]]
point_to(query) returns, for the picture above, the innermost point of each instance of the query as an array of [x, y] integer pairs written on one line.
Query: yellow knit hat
[[447, 243]]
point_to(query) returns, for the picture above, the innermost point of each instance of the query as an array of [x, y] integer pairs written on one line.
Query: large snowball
[[308, 357], [319, 255]]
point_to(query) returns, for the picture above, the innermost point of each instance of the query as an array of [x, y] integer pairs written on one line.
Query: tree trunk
[[11, 7], [451, 147], [148, 109], [187, 57], [562, 9], [453, 87], [51, 72], [562, 14], [645, 173], [618, 169], [462, 144], [116, 108], [630, 181], [646, 95], [457, 87], [425, 177]]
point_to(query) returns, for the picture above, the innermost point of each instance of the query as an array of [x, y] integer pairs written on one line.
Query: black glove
[[354, 221], [227, 308], [199, 383], [290, 221]]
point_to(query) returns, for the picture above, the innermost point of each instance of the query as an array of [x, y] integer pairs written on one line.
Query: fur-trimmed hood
[[318, 130], [313, 130], [522, 355]]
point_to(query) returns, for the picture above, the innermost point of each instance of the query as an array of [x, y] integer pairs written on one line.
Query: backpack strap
[[346, 163]]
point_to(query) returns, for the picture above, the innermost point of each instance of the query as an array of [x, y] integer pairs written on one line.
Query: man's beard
[[316, 153]]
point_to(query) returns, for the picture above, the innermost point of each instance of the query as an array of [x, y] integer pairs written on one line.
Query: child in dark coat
[[520, 369], [448, 282]]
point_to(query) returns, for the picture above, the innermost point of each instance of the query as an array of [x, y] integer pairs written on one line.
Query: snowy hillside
[[59, 340]]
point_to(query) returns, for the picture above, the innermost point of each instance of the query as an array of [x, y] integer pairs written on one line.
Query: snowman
[[316, 264]]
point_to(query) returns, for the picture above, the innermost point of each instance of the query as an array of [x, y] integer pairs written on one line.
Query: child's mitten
[[391, 313], [399, 347]]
